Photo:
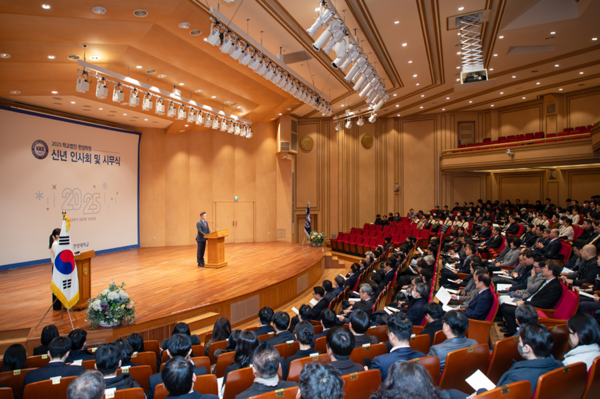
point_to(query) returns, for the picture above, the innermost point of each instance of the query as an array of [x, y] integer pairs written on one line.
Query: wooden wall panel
[[466, 189], [265, 137], [307, 167], [526, 186], [418, 180], [200, 180], [152, 188], [583, 184], [583, 109], [520, 121], [367, 170], [177, 190]]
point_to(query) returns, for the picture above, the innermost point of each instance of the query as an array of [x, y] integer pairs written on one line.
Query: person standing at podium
[[203, 229], [56, 305]]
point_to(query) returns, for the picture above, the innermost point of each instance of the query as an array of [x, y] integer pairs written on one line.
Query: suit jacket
[[587, 273], [338, 290], [351, 281], [389, 276], [257, 389], [415, 311], [512, 229], [449, 345], [431, 328], [262, 330], [551, 250], [50, 370], [346, 367], [281, 338], [193, 395], [529, 370], [528, 239], [485, 232], [315, 314], [203, 229], [40, 350], [480, 305], [156, 379], [384, 362], [122, 381], [360, 340], [84, 355], [494, 242], [548, 296], [330, 296]]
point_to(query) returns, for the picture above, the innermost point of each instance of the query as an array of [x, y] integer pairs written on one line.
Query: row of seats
[[359, 241]]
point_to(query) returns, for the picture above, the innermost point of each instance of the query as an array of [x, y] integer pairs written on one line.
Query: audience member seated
[[180, 345], [535, 344], [89, 385], [552, 249], [265, 363], [265, 316], [221, 332], [339, 285], [524, 314], [566, 230], [340, 343], [305, 335], [523, 290], [179, 377], [231, 345], [366, 302], [108, 360], [353, 276], [320, 381], [14, 358], [454, 328], [408, 380], [467, 294], [546, 297], [588, 269], [126, 353], [328, 320], [180, 328], [312, 312], [48, 334], [399, 332], [414, 310], [329, 291], [78, 351], [433, 314], [587, 304], [247, 342], [359, 324], [58, 351], [137, 342], [480, 306], [281, 322], [509, 256], [584, 337]]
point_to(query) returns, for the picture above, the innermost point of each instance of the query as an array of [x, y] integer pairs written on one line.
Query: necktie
[[543, 285]]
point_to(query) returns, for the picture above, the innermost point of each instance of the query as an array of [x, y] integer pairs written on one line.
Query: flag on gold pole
[[65, 283]]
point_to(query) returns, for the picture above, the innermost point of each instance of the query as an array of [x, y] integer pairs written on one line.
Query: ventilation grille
[[244, 309], [551, 108], [301, 284], [280, 233], [284, 146]]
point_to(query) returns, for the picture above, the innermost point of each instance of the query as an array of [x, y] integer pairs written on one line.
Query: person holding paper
[[471, 289], [588, 270], [399, 332], [520, 274], [534, 282], [414, 311], [509, 255], [480, 306], [455, 326]]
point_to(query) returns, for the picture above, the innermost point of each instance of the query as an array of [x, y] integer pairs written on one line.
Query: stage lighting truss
[[215, 124], [470, 41], [134, 100], [101, 89], [147, 102], [230, 43], [83, 83]]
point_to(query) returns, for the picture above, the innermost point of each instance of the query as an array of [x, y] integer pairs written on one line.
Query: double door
[[238, 218]]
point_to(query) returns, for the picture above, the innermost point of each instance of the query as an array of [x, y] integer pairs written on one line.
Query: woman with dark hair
[[48, 334], [14, 358], [221, 332], [137, 342], [584, 337], [180, 328], [231, 343], [53, 246], [246, 343], [126, 352], [408, 380]]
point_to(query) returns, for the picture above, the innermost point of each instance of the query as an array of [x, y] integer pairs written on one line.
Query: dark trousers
[[508, 314], [201, 249], [588, 305]]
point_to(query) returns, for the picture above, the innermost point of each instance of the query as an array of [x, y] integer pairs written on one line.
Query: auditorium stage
[[168, 286]]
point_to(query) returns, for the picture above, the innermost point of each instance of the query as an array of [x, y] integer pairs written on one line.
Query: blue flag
[[307, 228]]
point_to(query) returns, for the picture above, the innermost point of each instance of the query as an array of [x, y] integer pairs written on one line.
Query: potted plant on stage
[[111, 308], [317, 239]]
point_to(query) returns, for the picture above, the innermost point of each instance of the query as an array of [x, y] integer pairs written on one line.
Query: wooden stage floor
[[161, 281]]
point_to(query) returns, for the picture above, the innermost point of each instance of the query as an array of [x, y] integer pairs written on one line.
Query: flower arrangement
[[110, 308], [317, 239]]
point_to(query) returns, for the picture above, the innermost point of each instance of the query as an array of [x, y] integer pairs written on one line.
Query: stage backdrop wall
[[50, 165]]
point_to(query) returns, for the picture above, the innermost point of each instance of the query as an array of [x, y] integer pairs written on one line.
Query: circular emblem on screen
[[367, 140], [65, 262], [39, 148]]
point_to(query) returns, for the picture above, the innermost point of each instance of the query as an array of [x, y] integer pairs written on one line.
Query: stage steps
[[9, 337], [333, 262]]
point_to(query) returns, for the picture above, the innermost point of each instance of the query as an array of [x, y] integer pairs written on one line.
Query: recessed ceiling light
[[73, 57], [559, 89], [46, 6], [500, 37], [396, 22], [51, 57], [421, 107], [470, 102], [184, 25], [581, 73], [458, 80], [492, 105], [239, 106], [100, 109], [415, 75], [280, 114], [139, 67], [140, 13], [99, 10], [125, 114], [417, 84], [181, 84], [342, 105], [15, 92], [501, 92], [458, 67], [594, 38], [398, 114], [397, 106], [196, 32], [422, 95], [491, 69], [524, 98], [54, 92], [214, 97], [72, 102], [460, 8], [458, 53], [186, 125], [162, 76], [94, 57], [495, 55], [537, 83], [410, 62], [553, 33], [145, 119], [4, 55], [514, 77], [404, 44], [447, 98], [443, 109], [395, 95]]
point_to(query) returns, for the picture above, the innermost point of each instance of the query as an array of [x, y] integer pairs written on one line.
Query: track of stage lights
[[229, 42], [180, 108], [363, 75]]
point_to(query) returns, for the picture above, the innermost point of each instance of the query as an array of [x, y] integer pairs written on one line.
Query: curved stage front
[[168, 286]]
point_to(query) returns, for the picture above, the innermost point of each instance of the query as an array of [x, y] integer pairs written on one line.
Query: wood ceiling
[[420, 76]]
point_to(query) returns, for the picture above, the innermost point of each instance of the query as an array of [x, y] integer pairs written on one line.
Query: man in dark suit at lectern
[[203, 229]]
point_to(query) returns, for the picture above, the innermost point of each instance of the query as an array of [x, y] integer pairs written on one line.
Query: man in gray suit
[[203, 229], [454, 328]]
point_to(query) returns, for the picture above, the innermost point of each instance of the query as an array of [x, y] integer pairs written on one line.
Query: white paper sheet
[[586, 294], [443, 296], [313, 302], [566, 270], [295, 310], [503, 287], [478, 380], [452, 291], [448, 308], [420, 250]]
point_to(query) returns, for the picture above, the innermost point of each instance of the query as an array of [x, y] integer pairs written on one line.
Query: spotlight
[[337, 36], [338, 127], [247, 57], [230, 128], [276, 76], [359, 63], [354, 52], [228, 42], [199, 118], [363, 80], [147, 102], [264, 67], [215, 124], [333, 27], [237, 129], [360, 121], [215, 35], [361, 70], [208, 120], [283, 81], [101, 89], [191, 115], [171, 110], [270, 73], [256, 62], [288, 85], [249, 133], [244, 131], [160, 106], [348, 123], [373, 118], [223, 125], [118, 95], [83, 84], [238, 50], [341, 50], [325, 15], [181, 113], [134, 100], [381, 102]]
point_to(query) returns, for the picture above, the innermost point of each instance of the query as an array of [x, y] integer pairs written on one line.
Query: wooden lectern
[[215, 242], [84, 275]]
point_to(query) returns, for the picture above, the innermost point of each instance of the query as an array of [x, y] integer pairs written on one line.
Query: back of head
[[423, 290], [221, 329], [526, 314], [400, 325], [14, 358], [538, 337], [554, 267], [181, 328], [484, 278], [265, 360], [305, 311], [126, 349], [137, 342], [320, 381], [341, 342], [281, 320], [107, 358], [88, 385], [328, 318], [305, 332], [49, 333], [586, 328], [177, 375], [457, 322], [339, 280], [233, 338], [59, 347], [407, 380], [265, 315], [434, 310], [246, 344], [179, 345], [327, 286], [359, 321]]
